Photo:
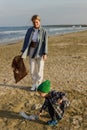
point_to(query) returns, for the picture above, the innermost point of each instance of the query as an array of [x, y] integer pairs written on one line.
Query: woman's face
[[36, 23]]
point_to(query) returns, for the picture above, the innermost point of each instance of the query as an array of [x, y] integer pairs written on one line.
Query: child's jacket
[[53, 99]]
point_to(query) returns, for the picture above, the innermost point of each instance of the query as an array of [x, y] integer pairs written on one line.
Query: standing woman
[[35, 46]]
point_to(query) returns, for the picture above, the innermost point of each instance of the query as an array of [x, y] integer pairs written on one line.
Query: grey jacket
[[41, 47]]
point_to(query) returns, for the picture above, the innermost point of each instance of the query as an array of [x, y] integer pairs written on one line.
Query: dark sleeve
[[26, 39], [45, 42], [62, 94], [44, 106], [56, 95]]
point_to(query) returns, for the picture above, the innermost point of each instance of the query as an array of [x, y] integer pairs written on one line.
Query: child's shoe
[[49, 121], [59, 118], [52, 122]]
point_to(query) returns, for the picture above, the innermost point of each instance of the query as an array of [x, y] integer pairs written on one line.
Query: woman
[[35, 46]]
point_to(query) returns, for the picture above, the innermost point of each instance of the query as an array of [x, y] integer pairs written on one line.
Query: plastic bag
[[31, 117]]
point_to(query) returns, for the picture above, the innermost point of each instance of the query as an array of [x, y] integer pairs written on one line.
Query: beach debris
[[29, 117]]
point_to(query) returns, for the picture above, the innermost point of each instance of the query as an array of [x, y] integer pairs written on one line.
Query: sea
[[11, 34]]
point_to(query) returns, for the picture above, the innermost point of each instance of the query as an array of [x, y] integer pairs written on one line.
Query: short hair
[[34, 17]]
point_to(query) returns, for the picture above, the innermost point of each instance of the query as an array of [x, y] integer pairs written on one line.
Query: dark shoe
[[59, 118], [52, 122], [49, 121]]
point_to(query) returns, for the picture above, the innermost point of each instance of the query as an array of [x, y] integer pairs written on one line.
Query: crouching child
[[55, 102]]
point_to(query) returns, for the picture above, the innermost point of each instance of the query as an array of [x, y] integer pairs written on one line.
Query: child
[[54, 102]]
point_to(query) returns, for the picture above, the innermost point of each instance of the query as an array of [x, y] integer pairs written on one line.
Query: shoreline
[[21, 40], [11, 42]]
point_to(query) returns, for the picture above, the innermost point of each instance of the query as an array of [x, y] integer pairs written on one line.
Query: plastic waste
[[31, 117]]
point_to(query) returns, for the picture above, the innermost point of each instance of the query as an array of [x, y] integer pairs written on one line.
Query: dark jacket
[[42, 45], [52, 98]]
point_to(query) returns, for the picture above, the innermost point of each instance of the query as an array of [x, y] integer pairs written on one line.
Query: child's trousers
[[53, 114]]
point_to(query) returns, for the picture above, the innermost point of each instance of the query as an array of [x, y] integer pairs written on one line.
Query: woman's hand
[[44, 57]]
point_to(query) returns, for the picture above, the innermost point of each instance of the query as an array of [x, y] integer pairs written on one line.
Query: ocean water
[[11, 34]]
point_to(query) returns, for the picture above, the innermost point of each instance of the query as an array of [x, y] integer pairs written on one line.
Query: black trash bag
[[19, 68]]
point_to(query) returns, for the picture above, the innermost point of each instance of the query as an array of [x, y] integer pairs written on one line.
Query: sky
[[19, 12]]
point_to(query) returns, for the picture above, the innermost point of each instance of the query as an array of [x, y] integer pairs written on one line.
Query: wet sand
[[66, 67]]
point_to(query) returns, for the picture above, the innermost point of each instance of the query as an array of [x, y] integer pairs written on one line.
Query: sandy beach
[[66, 67]]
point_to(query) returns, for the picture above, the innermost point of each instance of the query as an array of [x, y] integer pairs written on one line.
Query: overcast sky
[[19, 12]]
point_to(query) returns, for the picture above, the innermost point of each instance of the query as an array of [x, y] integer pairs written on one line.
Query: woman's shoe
[[33, 88]]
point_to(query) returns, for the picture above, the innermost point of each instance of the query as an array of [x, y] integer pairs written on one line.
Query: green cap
[[44, 86]]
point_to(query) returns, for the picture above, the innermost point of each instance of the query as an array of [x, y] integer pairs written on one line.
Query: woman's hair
[[34, 17]]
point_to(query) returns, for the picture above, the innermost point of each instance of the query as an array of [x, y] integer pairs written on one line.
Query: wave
[[9, 34], [12, 32]]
